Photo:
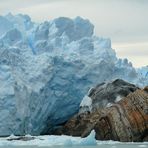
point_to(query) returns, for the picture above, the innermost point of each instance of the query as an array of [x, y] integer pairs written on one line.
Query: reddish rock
[[126, 120]]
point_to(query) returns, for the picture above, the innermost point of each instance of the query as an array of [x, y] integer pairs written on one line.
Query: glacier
[[143, 72], [47, 68]]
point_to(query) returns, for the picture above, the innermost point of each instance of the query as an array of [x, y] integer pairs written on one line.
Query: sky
[[125, 22]]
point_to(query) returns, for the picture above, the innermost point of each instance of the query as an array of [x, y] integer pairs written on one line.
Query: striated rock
[[126, 120], [105, 94]]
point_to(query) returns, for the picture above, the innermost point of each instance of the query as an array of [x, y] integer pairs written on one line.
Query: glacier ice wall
[[46, 69]]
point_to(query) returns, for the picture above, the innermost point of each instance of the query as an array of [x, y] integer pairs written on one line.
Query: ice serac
[[143, 73], [5, 25], [46, 69]]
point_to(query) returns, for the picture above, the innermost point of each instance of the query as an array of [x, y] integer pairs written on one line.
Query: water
[[51, 141], [126, 145]]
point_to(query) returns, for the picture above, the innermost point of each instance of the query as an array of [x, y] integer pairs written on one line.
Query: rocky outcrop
[[126, 120], [105, 94]]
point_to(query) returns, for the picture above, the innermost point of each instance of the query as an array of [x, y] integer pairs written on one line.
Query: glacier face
[[46, 69]]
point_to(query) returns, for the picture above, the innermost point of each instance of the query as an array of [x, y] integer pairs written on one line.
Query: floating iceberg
[[49, 140], [65, 141]]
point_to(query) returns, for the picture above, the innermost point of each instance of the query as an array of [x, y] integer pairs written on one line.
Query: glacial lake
[[52, 141]]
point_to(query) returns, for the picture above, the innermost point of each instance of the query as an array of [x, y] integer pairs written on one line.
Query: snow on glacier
[[46, 69]]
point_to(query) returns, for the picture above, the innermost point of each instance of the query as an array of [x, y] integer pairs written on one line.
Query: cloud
[[114, 18], [136, 52], [132, 49], [13, 5], [124, 21]]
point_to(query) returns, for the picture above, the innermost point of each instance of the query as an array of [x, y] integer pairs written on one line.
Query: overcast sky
[[124, 21]]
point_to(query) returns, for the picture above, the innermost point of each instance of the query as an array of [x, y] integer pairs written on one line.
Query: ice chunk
[[118, 98], [21, 22], [5, 25], [74, 29], [109, 105], [86, 104], [12, 37], [89, 140], [143, 71], [68, 142]]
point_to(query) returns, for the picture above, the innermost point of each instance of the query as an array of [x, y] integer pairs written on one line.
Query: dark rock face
[[125, 120], [112, 92], [22, 138]]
